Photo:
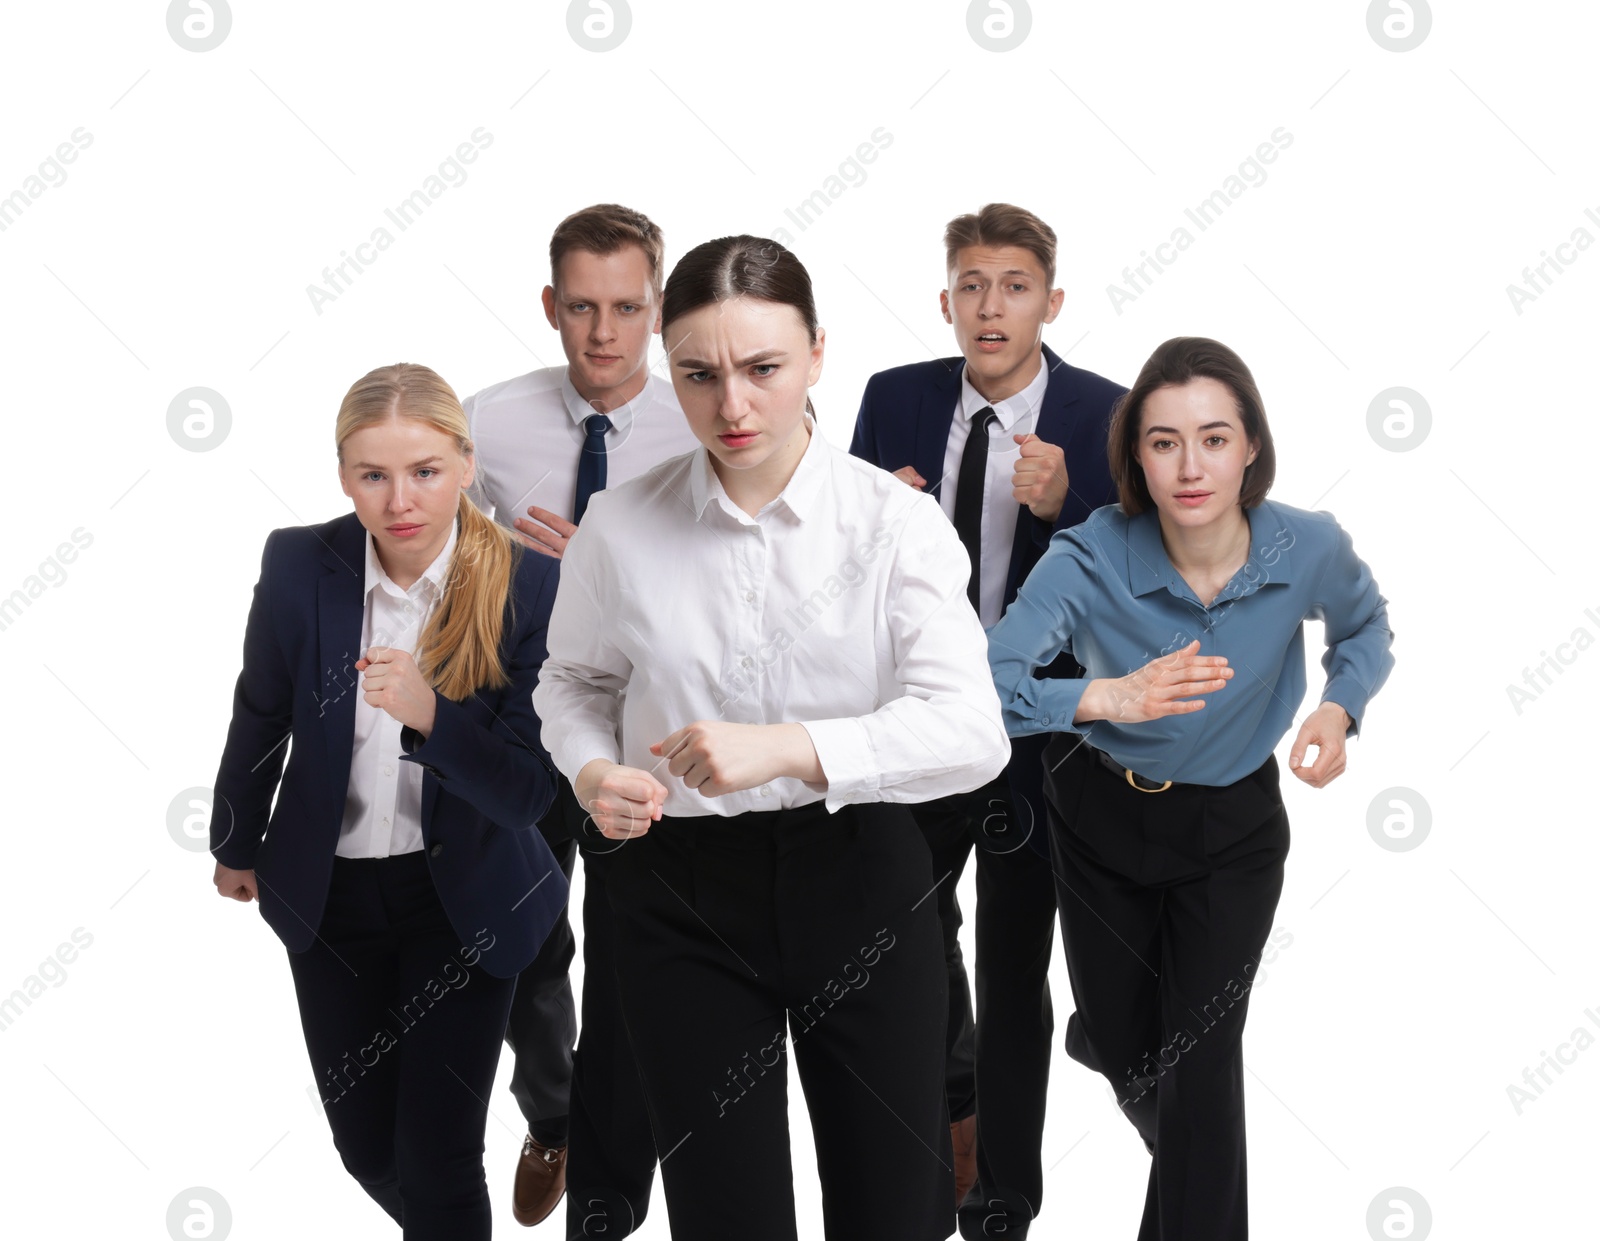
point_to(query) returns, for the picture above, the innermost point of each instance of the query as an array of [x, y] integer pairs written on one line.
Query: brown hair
[[1174, 363], [459, 649], [604, 229], [1001, 224], [742, 266]]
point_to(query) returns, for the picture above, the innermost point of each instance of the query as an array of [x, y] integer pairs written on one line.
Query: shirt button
[[388, 771], [746, 661], [766, 790], [1046, 720], [749, 596], [386, 820]]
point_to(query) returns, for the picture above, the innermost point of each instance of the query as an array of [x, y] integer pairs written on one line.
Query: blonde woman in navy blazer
[[390, 657]]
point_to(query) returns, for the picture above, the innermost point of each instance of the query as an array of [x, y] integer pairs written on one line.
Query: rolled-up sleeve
[[1356, 617], [1037, 627], [579, 695], [943, 734]]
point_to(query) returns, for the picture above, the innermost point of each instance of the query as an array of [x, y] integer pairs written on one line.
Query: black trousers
[[1001, 1059], [737, 935], [1166, 902], [544, 1021], [611, 1158], [403, 1029], [589, 1099]]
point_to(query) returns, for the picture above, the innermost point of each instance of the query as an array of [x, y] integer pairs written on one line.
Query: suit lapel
[[934, 416], [1059, 393], [340, 608]]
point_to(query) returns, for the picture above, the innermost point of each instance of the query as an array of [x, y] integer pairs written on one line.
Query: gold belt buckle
[[1128, 771]]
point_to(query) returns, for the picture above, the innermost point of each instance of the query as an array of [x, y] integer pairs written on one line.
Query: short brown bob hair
[[1174, 363]]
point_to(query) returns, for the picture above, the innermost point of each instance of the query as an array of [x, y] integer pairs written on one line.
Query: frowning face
[[741, 369]]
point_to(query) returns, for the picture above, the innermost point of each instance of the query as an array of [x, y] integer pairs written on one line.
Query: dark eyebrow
[[755, 359], [415, 465], [1012, 271], [1210, 426]]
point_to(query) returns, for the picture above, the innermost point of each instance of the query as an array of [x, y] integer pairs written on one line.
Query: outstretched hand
[[1167, 685]]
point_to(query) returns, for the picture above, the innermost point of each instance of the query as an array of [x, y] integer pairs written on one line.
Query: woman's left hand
[[1324, 728], [393, 682], [715, 757]]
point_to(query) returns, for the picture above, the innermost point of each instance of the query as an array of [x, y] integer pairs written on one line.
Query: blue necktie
[[592, 464]]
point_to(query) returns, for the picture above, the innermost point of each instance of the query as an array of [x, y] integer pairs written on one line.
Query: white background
[[1377, 253]]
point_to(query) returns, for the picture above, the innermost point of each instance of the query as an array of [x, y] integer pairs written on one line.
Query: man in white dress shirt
[[544, 442]]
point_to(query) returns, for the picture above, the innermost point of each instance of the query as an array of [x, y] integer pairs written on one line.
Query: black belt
[[1132, 777]]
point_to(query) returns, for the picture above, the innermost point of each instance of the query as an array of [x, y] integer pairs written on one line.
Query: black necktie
[[592, 464], [969, 494]]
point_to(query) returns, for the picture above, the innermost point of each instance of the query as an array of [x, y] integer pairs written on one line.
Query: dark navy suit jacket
[[487, 777], [905, 420]]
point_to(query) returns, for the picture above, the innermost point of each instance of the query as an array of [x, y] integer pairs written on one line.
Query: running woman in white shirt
[[760, 651]]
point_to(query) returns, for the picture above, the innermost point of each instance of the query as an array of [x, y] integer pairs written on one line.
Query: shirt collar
[[1021, 407], [621, 417], [800, 495], [1150, 568], [435, 573]]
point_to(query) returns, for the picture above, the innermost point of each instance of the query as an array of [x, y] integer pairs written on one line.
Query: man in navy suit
[[1012, 442]]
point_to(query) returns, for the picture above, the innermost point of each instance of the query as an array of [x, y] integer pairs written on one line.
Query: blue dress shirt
[[1107, 588]]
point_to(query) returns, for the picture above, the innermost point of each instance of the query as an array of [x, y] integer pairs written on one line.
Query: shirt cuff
[[1045, 704], [577, 751], [844, 751], [1346, 693]]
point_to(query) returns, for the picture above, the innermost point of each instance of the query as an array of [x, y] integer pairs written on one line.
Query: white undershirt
[[383, 801], [1016, 415]]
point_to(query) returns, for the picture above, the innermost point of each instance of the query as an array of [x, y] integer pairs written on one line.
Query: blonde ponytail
[[459, 650]]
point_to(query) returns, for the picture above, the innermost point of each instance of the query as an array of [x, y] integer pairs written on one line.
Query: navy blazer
[[487, 777], [905, 419]]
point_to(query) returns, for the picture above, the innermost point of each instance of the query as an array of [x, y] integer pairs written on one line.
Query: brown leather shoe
[[964, 1142], [541, 1181]]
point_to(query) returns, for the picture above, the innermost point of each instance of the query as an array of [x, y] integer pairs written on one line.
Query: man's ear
[[1057, 298], [548, 297], [944, 305]]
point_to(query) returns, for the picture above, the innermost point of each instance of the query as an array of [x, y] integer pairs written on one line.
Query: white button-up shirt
[[528, 434], [383, 802], [1016, 415], [841, 606]]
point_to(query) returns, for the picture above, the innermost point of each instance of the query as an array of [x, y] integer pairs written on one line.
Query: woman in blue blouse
[[1184, 604]]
